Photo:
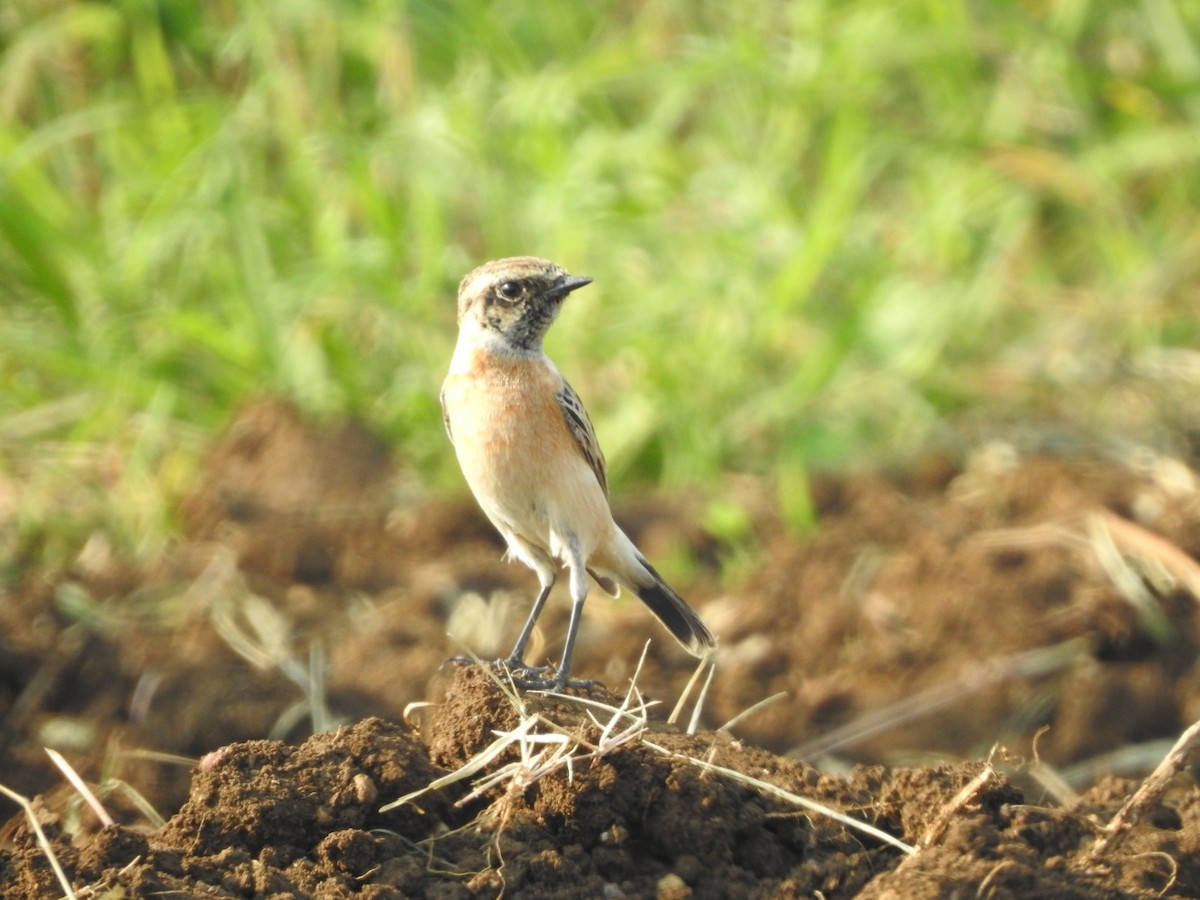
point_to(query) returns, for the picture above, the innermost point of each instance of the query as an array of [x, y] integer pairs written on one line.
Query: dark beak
[[568, 283]]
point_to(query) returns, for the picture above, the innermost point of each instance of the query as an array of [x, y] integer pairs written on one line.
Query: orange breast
[[517, 453]]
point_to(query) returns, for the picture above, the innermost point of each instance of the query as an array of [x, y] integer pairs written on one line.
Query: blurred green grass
[[819, 231]]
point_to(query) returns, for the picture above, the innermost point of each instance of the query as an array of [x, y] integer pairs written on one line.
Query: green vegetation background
[[819, 230]]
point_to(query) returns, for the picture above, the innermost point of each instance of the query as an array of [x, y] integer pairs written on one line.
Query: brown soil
[[925, 634]]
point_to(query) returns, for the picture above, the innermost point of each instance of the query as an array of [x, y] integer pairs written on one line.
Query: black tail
[[671, 609]]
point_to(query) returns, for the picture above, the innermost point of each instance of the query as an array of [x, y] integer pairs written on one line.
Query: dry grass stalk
[[751, 710], [80, 786], [542, 753], [687, 691], [973, 678], [42, 841], [786, 796], [1148, 795], [546, 752], [1136, 540], [957, 803]]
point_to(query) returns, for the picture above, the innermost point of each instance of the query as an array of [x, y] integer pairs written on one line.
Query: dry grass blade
[[1110, 538], [787, 796], [970, 791], [506, 685], [409, 715], [1150, 792], [632, 712], [1055, 534], [475, 764], [622, 710], [144, 806], [158, 756], [253, 628], [1029, 664], [687, 691], [751, 710], [556, 753], [1054, 783], [42, 841], [546, 752], [78, 783], [1130, 760], [1050, 778], [262, 635], [1126, 579], [1132, 538], [984, 889], [610, 739], [694, 722]]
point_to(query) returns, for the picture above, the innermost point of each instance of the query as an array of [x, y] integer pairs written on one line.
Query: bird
[[529, 454]]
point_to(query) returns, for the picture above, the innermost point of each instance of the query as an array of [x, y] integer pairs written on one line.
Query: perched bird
[[528, 451]]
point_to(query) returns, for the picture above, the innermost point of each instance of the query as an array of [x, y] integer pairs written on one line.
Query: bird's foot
[[554, 684], [540, 678], [527, 677], [530, 679], [517, 666], [508, 664]]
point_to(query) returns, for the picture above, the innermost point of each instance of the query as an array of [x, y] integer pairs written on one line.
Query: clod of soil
[[656, 815]]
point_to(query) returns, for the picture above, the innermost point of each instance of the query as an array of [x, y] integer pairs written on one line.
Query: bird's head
[[515, 300]]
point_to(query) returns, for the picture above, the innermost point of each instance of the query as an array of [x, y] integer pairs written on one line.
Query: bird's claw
[[527, 677], [540, 678], [516, 666], [554, 684]]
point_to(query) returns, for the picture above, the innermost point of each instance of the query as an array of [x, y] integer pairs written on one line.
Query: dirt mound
[[654, 814], [930, 617], [1017, 594]]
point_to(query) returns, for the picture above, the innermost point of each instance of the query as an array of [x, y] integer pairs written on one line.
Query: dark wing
[[581, 428], [445, 415]]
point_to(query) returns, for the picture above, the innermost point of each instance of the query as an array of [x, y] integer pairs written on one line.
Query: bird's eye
[[510, 290]]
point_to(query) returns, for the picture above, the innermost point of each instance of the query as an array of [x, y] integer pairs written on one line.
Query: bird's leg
[[515, 662], [538, 678], [579, 593], [533, 678], [545, 678], [516, 659], [563, 676]]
